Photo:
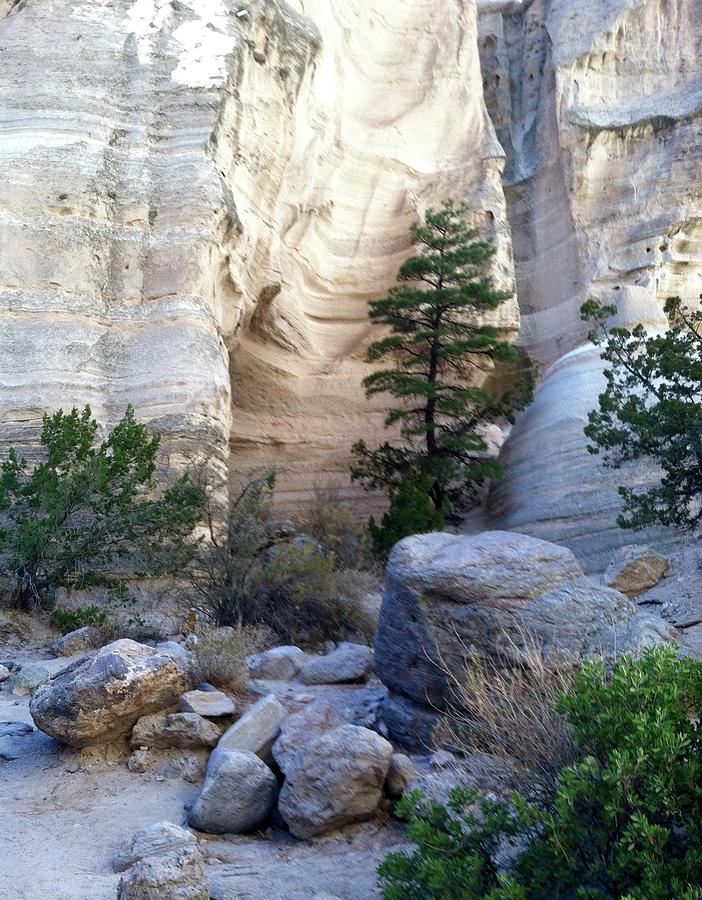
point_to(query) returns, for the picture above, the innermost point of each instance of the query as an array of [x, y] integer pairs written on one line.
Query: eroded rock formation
[[198, 199], [597, 104]]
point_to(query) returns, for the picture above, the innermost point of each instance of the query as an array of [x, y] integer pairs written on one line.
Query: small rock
[[82, 640], [25, 682], [238, 795], [181, 730], [302, 727], [635, 569], [442, 759], [72, 768], [256, 730], [209, 703], [15, 729], [280, 663], [4, 673], [400, 774], [153, 840], [303, 698], [175, 876], [348, 663], [335, 780], [139, 761], [205, 686]]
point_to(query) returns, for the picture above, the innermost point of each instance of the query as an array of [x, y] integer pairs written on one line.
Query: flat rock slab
[[211, 704], [257, 729]]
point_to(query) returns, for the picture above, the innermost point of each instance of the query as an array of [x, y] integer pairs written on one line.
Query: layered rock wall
[[598, 105], [198, 199]]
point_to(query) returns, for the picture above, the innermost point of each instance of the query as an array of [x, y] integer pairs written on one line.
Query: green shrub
[[626, 818], [67, 620], [89, 509], [244, 576], [411, 511]]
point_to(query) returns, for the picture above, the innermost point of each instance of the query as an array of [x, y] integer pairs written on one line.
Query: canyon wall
[[598, 104], [198, 198]]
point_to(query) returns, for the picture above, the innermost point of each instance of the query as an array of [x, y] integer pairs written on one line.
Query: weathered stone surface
[[446, 594], [82, 640], [635, 569], [100, 698], [149, 266], [335, 780], [183, 730], [211, 704], [299, 729], [25, 682], [15, 729], [347, 663], [153, 840], [238, 795], [401, 774], [257, 729], [4, 673], [280, 663], [174, 876], [588, 99]]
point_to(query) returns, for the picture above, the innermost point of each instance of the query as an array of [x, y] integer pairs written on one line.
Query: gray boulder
[[4, 673], [300, 728], [211, 703], [634, 570], [257, 729], [238, 795], [491, 593], [335, 780], [347, 663], [153, 840], [181, 730], [82, 640], [279, 664], [99, 698], [26, 680]]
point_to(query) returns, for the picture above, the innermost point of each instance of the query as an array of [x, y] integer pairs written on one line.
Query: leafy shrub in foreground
[[626, 819]]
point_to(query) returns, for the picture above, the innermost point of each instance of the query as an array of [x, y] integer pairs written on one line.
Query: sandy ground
[[64, 812]]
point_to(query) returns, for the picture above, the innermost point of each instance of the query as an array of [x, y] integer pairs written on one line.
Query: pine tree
[[651, 409], [443, 358]]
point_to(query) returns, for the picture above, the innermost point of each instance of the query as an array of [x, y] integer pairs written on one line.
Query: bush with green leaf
[[411, 511], [90, 508], [626, 818]]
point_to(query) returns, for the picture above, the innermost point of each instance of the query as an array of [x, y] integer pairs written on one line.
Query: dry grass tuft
[[219, 656], [510, 711]]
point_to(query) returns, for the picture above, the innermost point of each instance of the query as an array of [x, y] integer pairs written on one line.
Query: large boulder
[[99, 698], [238, 795], [346, 664], [182, 730], [335, 780], [635, 569], [447, 595], [257, 729], [161, 862]]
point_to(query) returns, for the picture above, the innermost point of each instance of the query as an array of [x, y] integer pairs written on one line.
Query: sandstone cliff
[[198, 198]]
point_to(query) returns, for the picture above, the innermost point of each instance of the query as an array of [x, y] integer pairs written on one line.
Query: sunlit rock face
[[198, 198], [597, 104]]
